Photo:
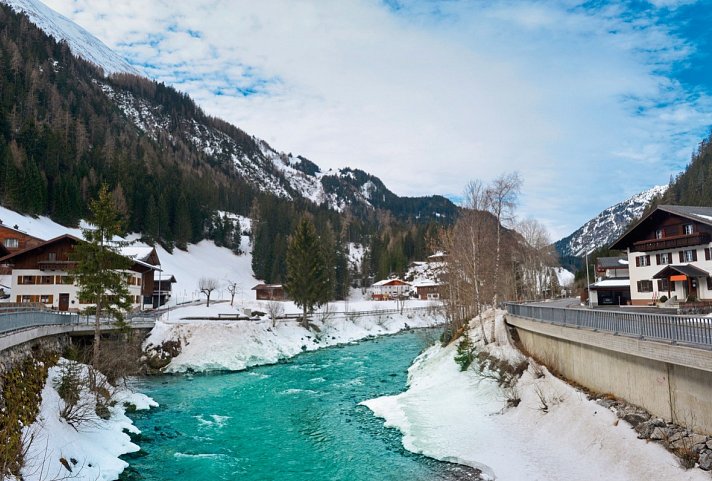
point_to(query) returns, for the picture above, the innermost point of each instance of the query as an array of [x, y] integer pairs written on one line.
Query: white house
[[389, 289], [670, 253]]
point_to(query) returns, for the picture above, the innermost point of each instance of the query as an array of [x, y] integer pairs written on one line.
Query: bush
[[663, 299], [465, 352]]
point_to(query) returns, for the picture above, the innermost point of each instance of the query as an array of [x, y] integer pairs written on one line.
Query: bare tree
[[207, 285], [232, 288], [502, 196], [535, 260], [275, 309]]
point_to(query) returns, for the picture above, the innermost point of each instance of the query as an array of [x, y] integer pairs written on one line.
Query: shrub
[[465, 352], [663, 299]]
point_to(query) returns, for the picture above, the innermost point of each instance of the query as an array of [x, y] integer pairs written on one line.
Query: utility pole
[[588, 282]]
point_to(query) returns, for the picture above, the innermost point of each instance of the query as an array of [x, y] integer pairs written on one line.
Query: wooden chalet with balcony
[[43, 274], [14, 240], [669, 253]]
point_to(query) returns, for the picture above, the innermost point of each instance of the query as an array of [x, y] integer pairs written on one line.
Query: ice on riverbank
[[90, 451], [461, 417], [235, 345]]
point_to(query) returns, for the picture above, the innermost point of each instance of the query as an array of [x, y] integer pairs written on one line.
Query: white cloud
[[431, 95]]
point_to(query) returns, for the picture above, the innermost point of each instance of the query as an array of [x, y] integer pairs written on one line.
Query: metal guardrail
[[691, 330], [15, 319]]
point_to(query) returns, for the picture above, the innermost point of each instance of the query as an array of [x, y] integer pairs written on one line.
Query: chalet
[[612, 268], [270, 292], [389, 289], [427, 289], [14, 240], [669, 253], [43, 274]]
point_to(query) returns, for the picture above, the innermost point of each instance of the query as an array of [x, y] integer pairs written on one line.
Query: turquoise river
[[296, 420]]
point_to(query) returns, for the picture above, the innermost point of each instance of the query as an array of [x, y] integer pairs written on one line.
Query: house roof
[[164, 277], [612, 263], [702, 215], [73, 239], [266, 286], [687, 270], [607, 283], [390, 282], [425, 283]]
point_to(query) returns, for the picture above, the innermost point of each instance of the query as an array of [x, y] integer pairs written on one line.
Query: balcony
[[672, 242], [56, 265]]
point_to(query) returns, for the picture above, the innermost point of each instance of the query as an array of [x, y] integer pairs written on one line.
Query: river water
[[297, 420]]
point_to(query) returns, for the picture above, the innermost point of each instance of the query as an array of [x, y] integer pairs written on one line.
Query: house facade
[[389, 289], [14, 240], [44, 274], [612, 286], [270, 292], [670, 253], [428, 290]]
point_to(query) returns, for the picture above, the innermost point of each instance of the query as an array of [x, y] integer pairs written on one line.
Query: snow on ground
[[461, 417], [235, 345], [91, 450], [564, 276]]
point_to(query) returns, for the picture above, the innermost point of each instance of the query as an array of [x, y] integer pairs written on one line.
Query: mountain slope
[[65, 128], [608, 225], [82, 43]]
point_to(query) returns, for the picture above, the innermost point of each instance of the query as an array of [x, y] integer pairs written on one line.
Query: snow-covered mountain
[[81, 43], [608, 225]]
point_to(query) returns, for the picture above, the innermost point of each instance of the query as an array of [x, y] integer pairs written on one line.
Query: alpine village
[[180, 300]]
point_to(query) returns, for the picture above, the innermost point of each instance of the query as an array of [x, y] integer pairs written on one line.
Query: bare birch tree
[[502, 196], [207, 285], [536, 259]]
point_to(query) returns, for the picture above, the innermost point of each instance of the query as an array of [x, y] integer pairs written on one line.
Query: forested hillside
[[694, 185], [65, 129]]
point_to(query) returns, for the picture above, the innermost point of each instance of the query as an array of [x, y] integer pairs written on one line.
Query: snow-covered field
[[235, 345], [461, 417], [92, 449]]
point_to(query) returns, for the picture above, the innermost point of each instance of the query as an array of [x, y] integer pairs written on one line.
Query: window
[[52, 256], [11, 243], [46, 279], [664, 258], [709, 283], [663, 285], [688, 256], [46, 298], [708, 254], [25, 280], [688, 229], [645, 286], [659, 234], [642, 261]]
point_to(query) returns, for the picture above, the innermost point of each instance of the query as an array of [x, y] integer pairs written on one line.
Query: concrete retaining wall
[[671, 382]]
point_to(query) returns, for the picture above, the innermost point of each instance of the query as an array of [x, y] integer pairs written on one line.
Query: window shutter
[[694, 255], [682, 257], [707, 253], [657, 259], [647, 260], [637, 261]]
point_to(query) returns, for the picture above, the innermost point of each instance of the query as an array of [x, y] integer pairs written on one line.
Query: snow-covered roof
[[611, 283], [425, 283], [141, 253], [390, 282]]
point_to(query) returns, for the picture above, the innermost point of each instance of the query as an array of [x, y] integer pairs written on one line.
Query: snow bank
[[236, 345], [91, 450], [461, 417]]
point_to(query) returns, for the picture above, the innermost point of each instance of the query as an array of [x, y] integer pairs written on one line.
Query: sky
[[591, 102]]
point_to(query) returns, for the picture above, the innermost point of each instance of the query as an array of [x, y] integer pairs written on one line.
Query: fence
[[17, 318], [660, 327]]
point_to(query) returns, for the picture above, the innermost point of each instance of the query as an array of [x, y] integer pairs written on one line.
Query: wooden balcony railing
[[673, 242]]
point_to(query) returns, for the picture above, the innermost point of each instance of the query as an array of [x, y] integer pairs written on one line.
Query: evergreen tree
[[307, 278], [100, 267]]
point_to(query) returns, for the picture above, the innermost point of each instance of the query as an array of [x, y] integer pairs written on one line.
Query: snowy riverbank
[[461, 417], [209, 345], [90, 449]]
